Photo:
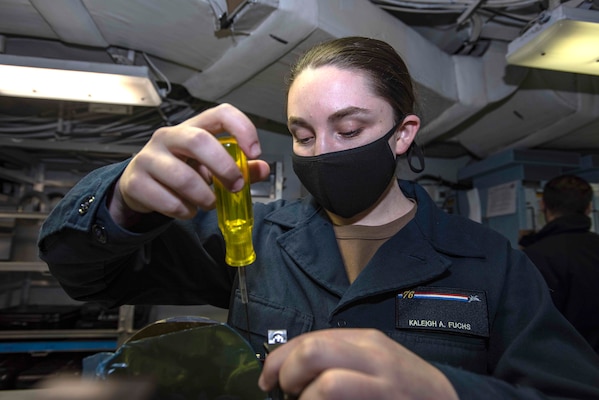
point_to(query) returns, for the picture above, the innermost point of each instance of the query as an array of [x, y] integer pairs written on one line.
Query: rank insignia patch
[[443, 309]]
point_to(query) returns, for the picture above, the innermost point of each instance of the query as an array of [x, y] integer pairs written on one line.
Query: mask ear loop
[[415, 151]]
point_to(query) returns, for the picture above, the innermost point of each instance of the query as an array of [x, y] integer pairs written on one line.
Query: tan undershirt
[[358, 243]]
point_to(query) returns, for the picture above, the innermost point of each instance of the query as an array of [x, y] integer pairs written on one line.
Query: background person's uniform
[[449, 289], [567, 254]]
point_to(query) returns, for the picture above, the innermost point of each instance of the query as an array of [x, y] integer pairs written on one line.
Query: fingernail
[[255, 150], [238, 185], [261, 384]]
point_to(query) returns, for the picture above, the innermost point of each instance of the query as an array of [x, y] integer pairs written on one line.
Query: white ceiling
[[470, 100]]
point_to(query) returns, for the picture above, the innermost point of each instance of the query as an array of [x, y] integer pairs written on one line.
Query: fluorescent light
[[567, 39], [77, 81]]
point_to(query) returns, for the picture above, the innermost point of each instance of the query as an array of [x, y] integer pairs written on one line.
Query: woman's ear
[[406, 133]]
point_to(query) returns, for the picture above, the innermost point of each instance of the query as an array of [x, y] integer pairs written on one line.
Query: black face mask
[[350, 181]]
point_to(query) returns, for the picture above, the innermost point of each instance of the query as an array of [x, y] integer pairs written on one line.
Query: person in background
[[382, 294], [567, 253]]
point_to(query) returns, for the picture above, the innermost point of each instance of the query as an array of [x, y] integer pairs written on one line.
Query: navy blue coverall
[[447, 288]]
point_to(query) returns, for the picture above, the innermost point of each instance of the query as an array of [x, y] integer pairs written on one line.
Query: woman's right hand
[[173, 172]]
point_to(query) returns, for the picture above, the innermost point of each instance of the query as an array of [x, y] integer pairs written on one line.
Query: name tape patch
[[443, 309]]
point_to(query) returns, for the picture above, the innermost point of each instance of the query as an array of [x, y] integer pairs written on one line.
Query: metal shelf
[[42, 347], [82, 340], [23, 266], [46, 341], [23, 215], [59, 334], [49, 340]]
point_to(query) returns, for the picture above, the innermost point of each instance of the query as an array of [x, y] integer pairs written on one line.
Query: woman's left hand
[[352, 364]]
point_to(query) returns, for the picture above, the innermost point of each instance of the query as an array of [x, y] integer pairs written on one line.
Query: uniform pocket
[[265, 316], [446, 325], [463, 351]]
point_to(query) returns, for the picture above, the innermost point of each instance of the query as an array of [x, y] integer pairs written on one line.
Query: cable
[[160, 74]]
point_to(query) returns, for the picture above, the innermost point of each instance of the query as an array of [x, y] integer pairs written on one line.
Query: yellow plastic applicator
[[235, 217]]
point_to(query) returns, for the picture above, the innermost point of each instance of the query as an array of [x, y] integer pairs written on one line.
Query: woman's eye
[[303, 140], [350, 134]]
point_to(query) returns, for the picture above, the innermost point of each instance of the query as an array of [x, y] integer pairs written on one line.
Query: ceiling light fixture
[[77, 81], [563, 39]]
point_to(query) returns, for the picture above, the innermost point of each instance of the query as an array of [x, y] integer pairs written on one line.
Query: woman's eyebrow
[[346, 112], [296, 121], [336, 116]]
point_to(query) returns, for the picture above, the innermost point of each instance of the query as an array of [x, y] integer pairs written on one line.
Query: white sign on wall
[[501, 199]]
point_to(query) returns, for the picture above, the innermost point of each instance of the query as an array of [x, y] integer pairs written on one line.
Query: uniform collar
[[446, 233], [449, 234], [418, 253]]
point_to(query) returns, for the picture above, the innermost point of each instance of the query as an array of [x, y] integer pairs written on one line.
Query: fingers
[[352, 363], [203, 148], [160, 182], [226, 118], [316, 356], [259, 170], [173, 172], [345, 384], [315, 352]]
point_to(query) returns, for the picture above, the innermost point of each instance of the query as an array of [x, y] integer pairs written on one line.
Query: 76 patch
[[443, 309]]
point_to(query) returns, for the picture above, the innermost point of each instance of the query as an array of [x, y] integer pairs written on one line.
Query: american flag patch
[[461, 311], [438, 296]]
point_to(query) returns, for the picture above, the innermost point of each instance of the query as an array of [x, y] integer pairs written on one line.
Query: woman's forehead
[[330, 89], [332, 74]]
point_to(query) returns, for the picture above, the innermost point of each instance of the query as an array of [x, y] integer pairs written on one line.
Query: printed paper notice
[[474, 212], [501, 199]]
